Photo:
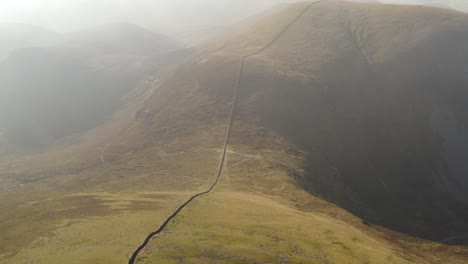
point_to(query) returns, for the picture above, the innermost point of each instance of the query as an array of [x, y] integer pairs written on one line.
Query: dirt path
[[134, 256], [101, 157], [449, 239]]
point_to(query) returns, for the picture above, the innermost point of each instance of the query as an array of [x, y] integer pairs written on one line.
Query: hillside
[[346, 146], [74, 85], [15, 36], [122, 39], [359, 98], [377, 108]]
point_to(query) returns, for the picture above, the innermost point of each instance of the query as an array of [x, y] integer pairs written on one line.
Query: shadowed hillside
[[376, 97]]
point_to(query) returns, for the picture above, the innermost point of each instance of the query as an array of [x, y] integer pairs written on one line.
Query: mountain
[[367, 96], [325, 133], [374, 107], [121, 39], [364, 1], [75, 85], [458, 5], [361, 105], [439, 4], [14, 36]]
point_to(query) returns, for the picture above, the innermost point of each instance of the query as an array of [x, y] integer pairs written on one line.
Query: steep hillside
[[375, 95], [349, 114], [362, 93]]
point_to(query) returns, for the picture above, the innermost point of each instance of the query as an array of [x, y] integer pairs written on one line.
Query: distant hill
[[121, 39], [75, 84], [459, 5], [14, 36], [438, 4], [363, 1]]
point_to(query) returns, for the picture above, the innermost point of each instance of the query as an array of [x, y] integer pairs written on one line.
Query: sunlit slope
[[128, 174], [98, 213], [312, 109], [259, 213], [239, 228]]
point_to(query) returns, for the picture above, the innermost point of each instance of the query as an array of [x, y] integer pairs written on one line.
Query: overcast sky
[[458, 4], [67, 15]]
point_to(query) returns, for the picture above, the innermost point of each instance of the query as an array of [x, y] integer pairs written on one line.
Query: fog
[[461, 5], [70, 15], [165, 15]]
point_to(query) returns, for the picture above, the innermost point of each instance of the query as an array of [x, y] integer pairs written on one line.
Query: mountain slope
[[347, 99], [15, 36], [122, 39], [364, 93], [301, 136], [75, 85], [361, 93]]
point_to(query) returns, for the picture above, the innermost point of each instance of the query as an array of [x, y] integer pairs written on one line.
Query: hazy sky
[[66, 15], [459, 4]]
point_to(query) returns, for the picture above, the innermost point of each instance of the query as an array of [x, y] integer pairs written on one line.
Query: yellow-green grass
[[56, 194], [149, 184], [83, 227], [258, 213], [133, 192], [244, 227], [232, 227]]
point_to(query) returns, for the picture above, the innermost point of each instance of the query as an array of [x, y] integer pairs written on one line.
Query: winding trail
[[101, 157], [135, 254]]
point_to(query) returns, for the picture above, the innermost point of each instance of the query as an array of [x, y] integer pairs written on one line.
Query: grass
[[146, 186], [260, 214], [112, 240], [359, 92], [69, 198], [94, 212], [84, 227], [232, 227]]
